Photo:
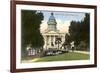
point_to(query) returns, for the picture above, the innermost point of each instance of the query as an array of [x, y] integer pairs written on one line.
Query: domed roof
[[52, 20]]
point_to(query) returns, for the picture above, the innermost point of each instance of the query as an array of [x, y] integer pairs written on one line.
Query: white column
[[45, 38], [54, 41], [63, 39], [50, 41], [46, 42]]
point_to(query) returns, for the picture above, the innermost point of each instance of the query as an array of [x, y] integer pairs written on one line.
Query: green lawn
[[62, 57]]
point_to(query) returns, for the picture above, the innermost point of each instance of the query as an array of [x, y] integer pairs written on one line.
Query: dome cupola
[[52, 22]]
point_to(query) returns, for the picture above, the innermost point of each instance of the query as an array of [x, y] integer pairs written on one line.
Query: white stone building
[[53, 38]]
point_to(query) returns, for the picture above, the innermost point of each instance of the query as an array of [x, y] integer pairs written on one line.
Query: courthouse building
[[53, 38]]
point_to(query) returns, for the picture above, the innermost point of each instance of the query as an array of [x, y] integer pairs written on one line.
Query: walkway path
[[29, 61], [84, 52]]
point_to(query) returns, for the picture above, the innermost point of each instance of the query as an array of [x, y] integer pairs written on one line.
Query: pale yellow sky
[[63, 26]]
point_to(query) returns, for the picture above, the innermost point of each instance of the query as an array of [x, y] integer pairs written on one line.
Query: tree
[[74, 31], [30, 25], [67, 39], [86, 29], [79, 31]]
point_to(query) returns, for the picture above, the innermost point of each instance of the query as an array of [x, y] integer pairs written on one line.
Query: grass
[[61, 57], [65, 56]]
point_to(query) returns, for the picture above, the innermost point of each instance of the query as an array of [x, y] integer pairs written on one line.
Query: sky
[[63, 19]]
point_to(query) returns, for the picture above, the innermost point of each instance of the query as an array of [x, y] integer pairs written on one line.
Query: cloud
[[62, 26], [43, 26]]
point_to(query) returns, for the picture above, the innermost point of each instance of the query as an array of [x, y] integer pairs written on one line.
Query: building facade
[[53, 38]]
